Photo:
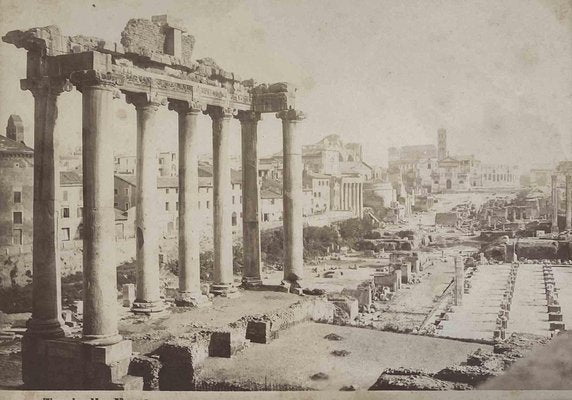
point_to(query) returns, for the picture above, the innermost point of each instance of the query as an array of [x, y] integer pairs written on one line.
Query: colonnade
[[100, 291], [556, 200], [352, 197]]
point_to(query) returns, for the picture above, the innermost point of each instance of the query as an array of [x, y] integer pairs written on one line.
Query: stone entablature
[[154, 57]]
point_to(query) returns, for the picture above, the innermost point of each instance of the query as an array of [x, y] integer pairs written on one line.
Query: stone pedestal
[[189, 293], [222, 203], [70, 364], [293, 198], [252, 261], [148, 299]]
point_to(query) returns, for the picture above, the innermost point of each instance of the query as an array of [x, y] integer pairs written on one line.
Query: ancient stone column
[[147, 228], [568, 202], [99, 276], [459, 281], [361, 200], [250, 199], [46, 320], [189, 217], [554, 182], [222, 202], [292, 198]]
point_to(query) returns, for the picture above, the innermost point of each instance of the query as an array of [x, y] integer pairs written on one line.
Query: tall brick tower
[[442, 144]]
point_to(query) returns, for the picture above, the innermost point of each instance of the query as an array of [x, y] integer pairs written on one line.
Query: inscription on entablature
[[205, 91]]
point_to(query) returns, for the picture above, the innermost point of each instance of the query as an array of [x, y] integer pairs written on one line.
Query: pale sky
[[496, 74]]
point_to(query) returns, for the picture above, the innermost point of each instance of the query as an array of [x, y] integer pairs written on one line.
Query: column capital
[[102, 80], [45, 85], [216, 112], [187, 107], [291, 115], [248, 116], [145, 100]]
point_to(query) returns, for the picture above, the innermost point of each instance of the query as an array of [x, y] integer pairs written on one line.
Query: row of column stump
[[554, 309], [504, 313]]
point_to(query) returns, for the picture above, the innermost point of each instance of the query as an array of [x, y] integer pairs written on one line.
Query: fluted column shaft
[[222, 202], [189, 215], [293, 197], [250, 199], [46, 320], [147, 298]]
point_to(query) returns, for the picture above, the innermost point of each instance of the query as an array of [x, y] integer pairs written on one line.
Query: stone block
[[557, 326], [259, 331], [148, 369], [128, 293], [219, 345], [64, 349], [348, 305], [112, 353], [554, 308], [557, 317], [129, 382], [78, 305]]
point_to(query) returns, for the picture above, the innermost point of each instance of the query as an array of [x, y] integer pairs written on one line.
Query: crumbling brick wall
[[145, 37]]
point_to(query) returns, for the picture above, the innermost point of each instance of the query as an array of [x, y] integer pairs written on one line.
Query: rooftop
[[12, 147]]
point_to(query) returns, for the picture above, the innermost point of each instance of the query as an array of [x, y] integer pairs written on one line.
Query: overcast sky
[[496, 74]]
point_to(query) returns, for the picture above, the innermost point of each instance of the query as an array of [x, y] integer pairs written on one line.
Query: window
[[177, 206], [115, 191], [17, 237], [65, 234], [17, 197], [167, 206], [233, 219], [167, 190], [160, 161], [115, 205], [79, 212], [65, 195], [208, 204], [127, 206], [65, 212], [232, 199], [127, 191]]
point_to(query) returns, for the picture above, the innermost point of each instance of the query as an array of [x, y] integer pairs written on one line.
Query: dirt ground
[[302, 351]]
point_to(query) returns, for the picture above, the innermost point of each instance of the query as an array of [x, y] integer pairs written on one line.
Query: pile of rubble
[[479, 367]]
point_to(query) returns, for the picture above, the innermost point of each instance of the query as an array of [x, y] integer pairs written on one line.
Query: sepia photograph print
[[295, 198]]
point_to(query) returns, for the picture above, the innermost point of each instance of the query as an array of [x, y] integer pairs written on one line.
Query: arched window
[[234, 222]]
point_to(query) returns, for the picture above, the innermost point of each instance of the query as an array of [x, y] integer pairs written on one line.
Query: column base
[[72, 364], [148, 307], [101, 340], [224, 290], [191, 299], [296, 286], [251, 282], [47, 329]]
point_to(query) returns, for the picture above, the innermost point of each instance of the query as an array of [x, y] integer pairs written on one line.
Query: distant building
[[16, 189], [71, 207]]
